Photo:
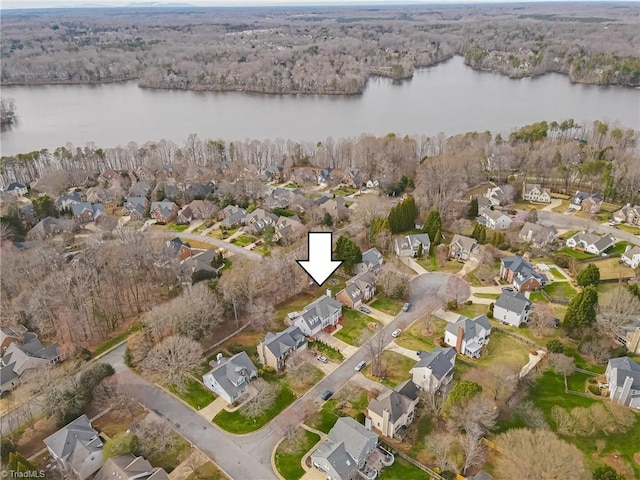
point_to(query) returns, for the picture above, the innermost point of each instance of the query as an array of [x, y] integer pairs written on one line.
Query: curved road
[[570, 222]]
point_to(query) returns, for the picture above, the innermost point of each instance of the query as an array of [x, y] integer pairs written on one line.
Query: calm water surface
[[449, 97]]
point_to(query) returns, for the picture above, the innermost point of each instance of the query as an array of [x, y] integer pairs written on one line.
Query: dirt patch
[[30, 442], [118, 421], [617, 463], [636, 457], [427, 333]]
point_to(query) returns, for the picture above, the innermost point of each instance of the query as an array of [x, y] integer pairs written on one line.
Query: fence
[[217, 344], [414, 462], [519, 338]]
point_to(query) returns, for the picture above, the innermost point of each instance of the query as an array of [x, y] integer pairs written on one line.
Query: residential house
[[283, 197], [49, 226], [303, 176], [276, 348], [591, 242], [198, 191], [372, 184], [391, 411], [628, 214], [322, 313], [631, 257], [345, 451], [535, 193], [576, 200], [16, 188], [198, 261], [231, 216], [130, 467], [203, 209], [623, 377], [512, 308], [164, 212], [358, 289], [517, 271], [483, 203], [495, 219], [481, 475], [77, 448], [185, 215], [500, 196], [372, 261], [352, 177], [587, 202], [323, 176], [629, 336], [409, 245], [135, 207], [336, 207], [289, 229], [434, 370], [98, 212], [468, 336], [82, 212], [171, 191], [537, 235], [179, 248], [66, 200], [108, 198], [10, 334], [109, 177], [272, 173], [258, 220], [139, 189], [463, 248], [229, 378]]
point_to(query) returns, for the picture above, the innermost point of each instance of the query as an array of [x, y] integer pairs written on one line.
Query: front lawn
[[556, 274], [198, 244], [171, 457], [396, 368], [243, 240], [355, 323], [473, 280], [568, 234], [235, 422], [562, 290], [628, 228], [347, 402], [617, 249], [492, 296], [401, 469], [173, 227], [327, 350], [288, 460], [612, 269], [195, 394], [207, 470], [578, 255], [343, 191], [472, 311], [431, 264], [413, 338], [387, 305]]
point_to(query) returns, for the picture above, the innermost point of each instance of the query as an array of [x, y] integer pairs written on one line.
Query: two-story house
[[623, 377], [629, 214], [468, 336], [591, 242], [352, 177], [535, 193], [434, 370], [409, 245], [164, 212], [500, 196], [358, 289], [258, 220], [537, 235], [372, 261], [135, 207], [394, 409], [631, 257], [512, 308], [495, 219], [16, 188], [463, 248], [517, 271], [322, 313], [229, 378], [276, 348]]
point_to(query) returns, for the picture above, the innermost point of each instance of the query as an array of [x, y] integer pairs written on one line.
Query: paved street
[[559, 220]]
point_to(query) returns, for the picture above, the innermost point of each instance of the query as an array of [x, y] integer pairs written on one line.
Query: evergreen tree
[[581, 311], [433, 227], [402, 217], [327, 219], [18, 463], [589, 276], [45, 207], [420, 251], [349, 253], [472, 212], [607, 473], [482, 235]]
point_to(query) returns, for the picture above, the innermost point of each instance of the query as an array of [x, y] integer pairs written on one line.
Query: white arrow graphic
[[319, 265]]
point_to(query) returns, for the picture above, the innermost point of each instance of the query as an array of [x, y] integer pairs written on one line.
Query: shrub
[[6, 447], [489, 314], [592, 381], [127, 358], [121, 444], [594, 389], [360, 417], [84, 354], [452, 305], [469, 302], [555, 346]]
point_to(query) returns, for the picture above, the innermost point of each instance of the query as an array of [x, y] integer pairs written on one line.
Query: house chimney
[[329, 292], [459, 338]]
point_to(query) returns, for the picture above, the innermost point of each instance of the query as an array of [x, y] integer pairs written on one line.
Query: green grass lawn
[[618, 248], [473, 280], [326, 350], [344, 404], [291, 186], [216, 233], [115, 340], [629, 229], [568, 234], [396, 368], [492, 296], [431, 264], [173, 227], [355, 324], [556, 274], [243, 240], [325, 418], [504, 349], [560, 290], [413, 339], [195, 394], [401, 469], [343, 191], [294, 304], [576, 254], [171, 457], [472, 310], [611, 269], [235, 422], [562, 207], [207, 470], [288, 463], [387, 305], [538, 297]]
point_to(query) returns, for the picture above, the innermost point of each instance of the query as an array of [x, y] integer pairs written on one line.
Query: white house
[[17, 189], [372, 261], [623, 377], [631, 257], [535, 193], [323, 312], [538, 235], [512, 308], [502, 195], [394, 409], [230, 377], [434, 369], [591, 242], [496, 220], [468, 336], [409, 245]]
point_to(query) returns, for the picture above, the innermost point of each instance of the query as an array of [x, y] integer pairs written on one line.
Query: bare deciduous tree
[[173, 359], [474, 449], [374, 345], [616, 308], [500, 381], [263, 397], [440, 446]]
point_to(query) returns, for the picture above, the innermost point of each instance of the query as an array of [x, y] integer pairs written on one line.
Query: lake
[[448, 97]]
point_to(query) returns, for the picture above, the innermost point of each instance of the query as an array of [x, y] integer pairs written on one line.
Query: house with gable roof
[[512, 308], [77, 448], [631, 257], [409, 245], [130, 467], [517, 271], [468, 336], [352, 177], [533, 192], [537, 235], [629, 214], [372, 261], [591, 242], [258, 220], [623, 377], [391, 411], [322, 313], [276, 348], [135, 207], [463, 248], [500, 195], [358, 289], [229, 378], [231, 216], [68, 199], [495, 219], [288, 229], [164, 211], [434, 370], [16, 188]]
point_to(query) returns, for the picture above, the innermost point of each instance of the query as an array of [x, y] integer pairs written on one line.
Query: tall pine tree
[[433, 227], [582, 309], [402, 217]]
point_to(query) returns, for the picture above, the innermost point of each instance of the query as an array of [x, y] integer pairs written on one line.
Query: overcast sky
[[7, 4]]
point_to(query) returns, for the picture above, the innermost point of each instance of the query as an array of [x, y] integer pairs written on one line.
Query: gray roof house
[[276, 348], [463, 248], [521, 274], [77, 448], [394, 409], [591, 242], [259, 219], [623, 377], [409, 245], [50, 226], [322, 313], [481, 475], [68, 199], [512, 308], [358, 289], [130, 467], [229, 378], [372, 261], [165, 211], [135, 206], [288, 229], [345, 451], [434, 369], [537, 235], [501, 195], [468, 336]]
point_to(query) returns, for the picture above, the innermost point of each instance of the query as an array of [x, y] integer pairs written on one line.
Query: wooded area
[[326, 50]]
